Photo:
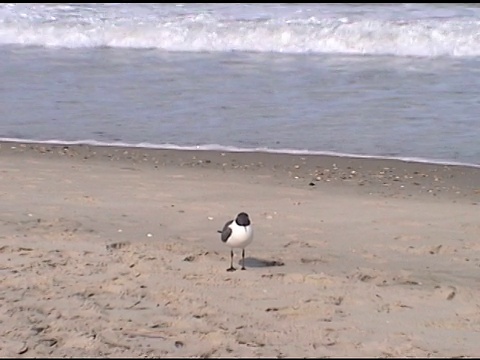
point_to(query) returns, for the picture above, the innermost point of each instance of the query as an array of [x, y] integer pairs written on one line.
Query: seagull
[[237, 233]]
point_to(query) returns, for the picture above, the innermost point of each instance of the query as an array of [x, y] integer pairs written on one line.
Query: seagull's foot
[[231, 268], [243, 268]]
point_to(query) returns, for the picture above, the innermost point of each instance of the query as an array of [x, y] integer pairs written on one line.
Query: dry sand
[[113, 252]]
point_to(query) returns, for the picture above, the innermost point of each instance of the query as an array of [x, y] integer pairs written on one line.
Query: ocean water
[[387, 80]]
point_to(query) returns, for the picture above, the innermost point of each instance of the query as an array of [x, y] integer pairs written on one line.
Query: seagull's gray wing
[[226, 231]]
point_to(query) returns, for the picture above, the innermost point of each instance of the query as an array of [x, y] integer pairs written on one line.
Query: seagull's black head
[[242, 219]]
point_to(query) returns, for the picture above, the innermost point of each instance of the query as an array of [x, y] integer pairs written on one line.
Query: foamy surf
[[321, 28]]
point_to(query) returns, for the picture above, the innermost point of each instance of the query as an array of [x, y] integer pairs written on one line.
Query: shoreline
[[388, 177], [208, 148]]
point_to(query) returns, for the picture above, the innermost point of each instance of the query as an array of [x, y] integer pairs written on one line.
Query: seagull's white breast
[[241, 235]]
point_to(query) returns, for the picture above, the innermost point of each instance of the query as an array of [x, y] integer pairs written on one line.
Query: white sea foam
[[391, 29], [216, 147]]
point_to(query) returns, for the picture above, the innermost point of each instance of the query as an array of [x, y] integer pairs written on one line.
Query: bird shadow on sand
[[257, 262]]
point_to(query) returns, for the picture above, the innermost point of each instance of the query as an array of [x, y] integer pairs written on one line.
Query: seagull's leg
[[231, 268], [243, 259]]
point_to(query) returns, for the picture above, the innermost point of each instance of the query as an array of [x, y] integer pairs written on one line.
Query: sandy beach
[[114, 252]]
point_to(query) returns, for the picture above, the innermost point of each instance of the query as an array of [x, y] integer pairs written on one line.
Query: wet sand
[[113, 252]]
